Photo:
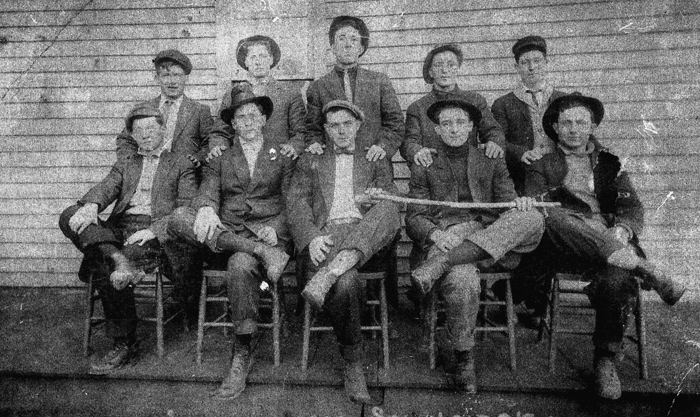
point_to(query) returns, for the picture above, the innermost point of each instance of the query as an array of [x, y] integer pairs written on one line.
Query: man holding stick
[[457, 241]]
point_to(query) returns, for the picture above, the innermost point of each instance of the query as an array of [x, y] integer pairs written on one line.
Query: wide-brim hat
[[435, 109], [529, 43], [142, 111], [428, 61], [239, 98], [343, 104], [244, 44], [175, 56], [551, 115], [356, 22]]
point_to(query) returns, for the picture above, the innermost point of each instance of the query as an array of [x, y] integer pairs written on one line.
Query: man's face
[[148, 133], [172, 81], [574, 128], [347, 45], [454, 126], [248, 121], [342, 126], [258, 60], [444, 69], [532, 67]]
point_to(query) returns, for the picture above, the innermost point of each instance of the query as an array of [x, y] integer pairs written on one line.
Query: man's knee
[[181, 221], [242, 262], [64, 219], [348, 284], [461, 282], [613, 283]]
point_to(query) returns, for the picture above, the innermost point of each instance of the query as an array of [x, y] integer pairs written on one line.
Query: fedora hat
[[551, 115], [239, 98]]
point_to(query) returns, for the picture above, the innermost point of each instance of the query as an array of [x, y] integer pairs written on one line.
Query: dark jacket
[[374, 94], [616, 195], [194, 122], [174, 185], [420, 130]]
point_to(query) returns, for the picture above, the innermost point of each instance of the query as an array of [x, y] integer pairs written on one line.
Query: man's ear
[[555, 126], [594, 127], [437, 130]]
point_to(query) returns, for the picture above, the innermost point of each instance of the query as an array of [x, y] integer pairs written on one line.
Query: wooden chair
[[484, 323]]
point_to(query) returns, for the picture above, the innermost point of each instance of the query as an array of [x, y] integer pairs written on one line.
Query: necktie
[[167, 105], [534, 97], [346, 85]]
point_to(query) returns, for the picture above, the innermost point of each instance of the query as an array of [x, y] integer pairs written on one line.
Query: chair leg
[[159, 313], [511, 326], [554, 324], [307, 335], [432, 322], [640, 324], [201, 318], [276, 323], [385, 323], [89, 311]]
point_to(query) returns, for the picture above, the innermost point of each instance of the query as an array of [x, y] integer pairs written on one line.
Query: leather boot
[[355, 384], [668, 289], [607, 383], [430, 271], [234, 384], [274, 260], [123, 352], [318, 286], [465, 375]]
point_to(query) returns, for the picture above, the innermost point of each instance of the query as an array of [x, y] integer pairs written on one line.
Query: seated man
[[597, 227], [455, 240], [339, 234], [240, 213], [146, 187]]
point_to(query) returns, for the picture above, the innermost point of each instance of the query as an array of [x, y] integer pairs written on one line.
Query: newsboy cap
[[551, 115], [142, 111], [528, 43], [176, 56], [343, 104], [428, 61], [239, 97], [435, 109], [245, 44], [359, 24]]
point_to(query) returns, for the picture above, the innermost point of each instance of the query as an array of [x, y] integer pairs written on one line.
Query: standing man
[[240, 214], [381, 132], [520, 111], [596, 229], [258, 55], [187, 122], [454, 243], [146, 187], [338, 234], [440, 68]]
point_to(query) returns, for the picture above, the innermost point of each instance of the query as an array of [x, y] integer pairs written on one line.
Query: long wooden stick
[[453, 204]]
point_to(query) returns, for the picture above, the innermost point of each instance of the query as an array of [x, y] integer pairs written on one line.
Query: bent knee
[[462, 279], [242, 261]]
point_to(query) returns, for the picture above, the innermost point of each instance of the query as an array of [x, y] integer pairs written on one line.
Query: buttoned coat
[[311, 193], [420, 130], [489, 182], [191, 135], [374, 94], [174, 185], [245, 201]]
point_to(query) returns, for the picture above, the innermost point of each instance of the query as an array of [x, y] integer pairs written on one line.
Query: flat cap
[[428, 61], [343, 104], [244, 45], [175, 56], [528, 43], [359, 24], [551, 115], [141, 111], [435, 109]]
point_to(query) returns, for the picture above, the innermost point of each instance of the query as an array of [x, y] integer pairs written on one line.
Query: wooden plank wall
[[63, 100]]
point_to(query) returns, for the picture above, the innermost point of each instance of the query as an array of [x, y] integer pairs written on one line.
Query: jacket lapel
[[183, 116], [362, 83], [240, 164], [475, 170], [263, 164], [326, 179], [131, 180], [165, 165]]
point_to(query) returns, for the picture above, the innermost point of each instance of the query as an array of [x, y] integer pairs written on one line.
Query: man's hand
[[620, 233], [315, 149], [424, 157], [445, 241], [205, 223], [531, 156], [268, 235], [194, 161], [375, 153], [140, 237], [84, 217], [492, 150], [215, 152], [288, 150], [319, 248], [524, 203]]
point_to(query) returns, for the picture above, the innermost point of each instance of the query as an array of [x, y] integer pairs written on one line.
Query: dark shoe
[[318, 286], [121, 354], [465, 375], [430, 271], [607, 383], [234, 384], [668, 289], [355, 384], [274, 261]]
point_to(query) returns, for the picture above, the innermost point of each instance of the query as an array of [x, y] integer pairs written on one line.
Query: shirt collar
[[522, 92], [444, 94], [151, 154], [176, 102], [590, 147], [351, 71]]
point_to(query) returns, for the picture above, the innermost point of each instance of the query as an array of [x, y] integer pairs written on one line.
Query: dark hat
[[529, 43], [342, 104], [551, 115], [428, 62], [244, 45], [141, 111], [435, 109], [175, 56], [240, 97], [359, 24]]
